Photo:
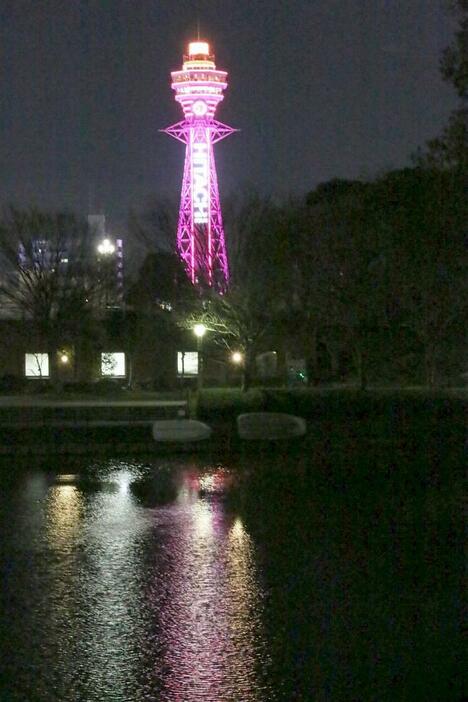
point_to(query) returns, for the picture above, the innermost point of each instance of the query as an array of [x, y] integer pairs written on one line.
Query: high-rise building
[[110, 257]]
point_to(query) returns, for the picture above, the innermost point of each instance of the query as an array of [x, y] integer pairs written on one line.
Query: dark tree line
[[362, 279]]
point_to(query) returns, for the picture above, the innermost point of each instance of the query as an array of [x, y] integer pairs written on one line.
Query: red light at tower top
[[201, 244]]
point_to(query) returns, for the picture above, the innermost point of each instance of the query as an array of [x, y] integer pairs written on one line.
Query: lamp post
[[199, 330], [237, 358]]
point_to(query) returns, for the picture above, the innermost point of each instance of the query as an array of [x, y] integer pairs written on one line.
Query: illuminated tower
[[200, 235]]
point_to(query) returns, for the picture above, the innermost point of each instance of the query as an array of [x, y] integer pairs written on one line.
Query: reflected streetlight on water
[[63, 512]]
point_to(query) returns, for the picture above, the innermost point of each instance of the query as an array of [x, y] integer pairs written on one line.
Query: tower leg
[[219, 262], [200, 234], [185, 238]]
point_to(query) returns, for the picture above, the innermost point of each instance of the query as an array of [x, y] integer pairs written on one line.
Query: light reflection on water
[[137, 603], [210, 626], [63, 516], [323, 577], [112, 625]]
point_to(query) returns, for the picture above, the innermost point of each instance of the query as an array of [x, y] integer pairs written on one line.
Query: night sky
[[319, 88]]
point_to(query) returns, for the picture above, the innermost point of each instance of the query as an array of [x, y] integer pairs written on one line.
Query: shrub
[[79, 387], [107, 387], [10, 383]]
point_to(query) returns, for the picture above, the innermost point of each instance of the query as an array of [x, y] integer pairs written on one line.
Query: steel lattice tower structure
[[200, 235]]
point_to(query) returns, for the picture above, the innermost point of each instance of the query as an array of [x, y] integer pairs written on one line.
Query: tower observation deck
[[199, 87]]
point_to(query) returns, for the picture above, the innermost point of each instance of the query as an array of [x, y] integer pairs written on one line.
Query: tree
[[153, 229], [425, 212], [384, 258], [233, 325], [454, 62], [247, 316], [160, 283], [341, 260], [155, 300], [47, 275], [450, 150]]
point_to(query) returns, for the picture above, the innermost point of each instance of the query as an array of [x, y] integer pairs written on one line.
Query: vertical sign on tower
[[200, 182], [199, 88]]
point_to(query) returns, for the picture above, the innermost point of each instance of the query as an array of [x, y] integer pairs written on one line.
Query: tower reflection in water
[[211, 622]]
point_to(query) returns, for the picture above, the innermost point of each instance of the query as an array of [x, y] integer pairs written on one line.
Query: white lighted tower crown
[[199, 86]]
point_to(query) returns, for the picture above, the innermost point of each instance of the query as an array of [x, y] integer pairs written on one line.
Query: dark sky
[[320, 88]]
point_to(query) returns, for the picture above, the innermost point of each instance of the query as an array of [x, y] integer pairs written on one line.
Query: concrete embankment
[[86, 426]]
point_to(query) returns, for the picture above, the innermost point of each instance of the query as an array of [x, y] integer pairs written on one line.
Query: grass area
[[234, 400], [380, 412], [229, 400]]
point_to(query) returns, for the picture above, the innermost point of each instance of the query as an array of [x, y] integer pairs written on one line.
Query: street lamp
[[199, 330], [64, 358], [238, 358], [106, 247]]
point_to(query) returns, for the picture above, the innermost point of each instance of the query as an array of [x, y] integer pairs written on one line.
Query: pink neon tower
[[200, 235]]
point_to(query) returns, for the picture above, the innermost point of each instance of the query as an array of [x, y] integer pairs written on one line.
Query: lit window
[[113, 365], [36, 365], [187, 363]]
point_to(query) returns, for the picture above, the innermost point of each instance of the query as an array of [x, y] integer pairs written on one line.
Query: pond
[[314, 574]]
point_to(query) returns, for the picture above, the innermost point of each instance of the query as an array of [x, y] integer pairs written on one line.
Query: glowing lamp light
[[199, 330], [106, 248], [64, 358], [196, 48], [236, 357]]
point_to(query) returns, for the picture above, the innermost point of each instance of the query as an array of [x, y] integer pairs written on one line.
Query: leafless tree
[[47, 274]]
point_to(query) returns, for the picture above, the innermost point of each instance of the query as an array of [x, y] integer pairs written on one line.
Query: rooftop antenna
[[198, 28]]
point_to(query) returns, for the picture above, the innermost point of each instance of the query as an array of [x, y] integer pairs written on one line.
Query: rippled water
[[326, 576]]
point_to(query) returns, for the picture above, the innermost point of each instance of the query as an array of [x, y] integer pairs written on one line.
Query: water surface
[[326, 574]]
